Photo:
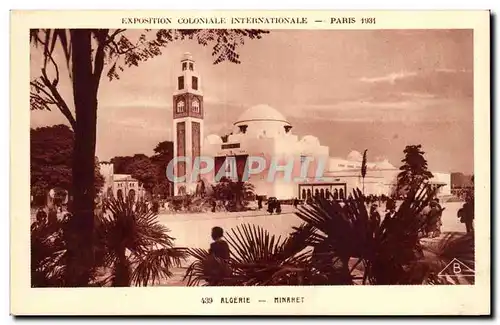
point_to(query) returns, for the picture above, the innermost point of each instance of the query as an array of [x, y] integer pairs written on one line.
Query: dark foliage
[[48, 254], [131, 248], [233, 195], [140, 166], [257, 258], [150, 171], [51, 150], [338, 244], [414, 169], [164, 153]]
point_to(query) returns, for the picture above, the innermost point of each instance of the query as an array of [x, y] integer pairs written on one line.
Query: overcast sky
[[354, 90]]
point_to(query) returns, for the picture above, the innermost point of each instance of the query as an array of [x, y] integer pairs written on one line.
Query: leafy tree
[[142, 168], [164, 153], [414, 168], [50, 160], [120, 163], [232, 194], [87, 54]]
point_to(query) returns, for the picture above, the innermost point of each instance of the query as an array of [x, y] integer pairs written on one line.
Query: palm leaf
[[155, 265], [438, 254], [129, 226], [258, 258]]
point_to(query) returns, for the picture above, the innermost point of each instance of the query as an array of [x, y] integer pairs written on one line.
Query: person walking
[[278, 207], [271, 203], [219, 247], [374, 218], [468, 215], [433, 219]]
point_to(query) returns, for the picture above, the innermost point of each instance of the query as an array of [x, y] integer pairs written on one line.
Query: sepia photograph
[[177, 157], [251, 157]]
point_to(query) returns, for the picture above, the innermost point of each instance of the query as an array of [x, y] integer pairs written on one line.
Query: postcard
[[250, 163]]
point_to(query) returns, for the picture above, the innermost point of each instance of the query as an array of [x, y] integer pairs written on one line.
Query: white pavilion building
[[262, 131]]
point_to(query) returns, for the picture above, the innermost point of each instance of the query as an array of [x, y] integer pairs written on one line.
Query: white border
[[213, 4]]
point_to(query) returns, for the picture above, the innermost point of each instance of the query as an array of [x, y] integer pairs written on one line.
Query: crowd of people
[[431, 216], [273, 205]]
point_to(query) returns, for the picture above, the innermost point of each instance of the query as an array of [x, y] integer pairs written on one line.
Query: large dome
[[261, 113], [355, 156]]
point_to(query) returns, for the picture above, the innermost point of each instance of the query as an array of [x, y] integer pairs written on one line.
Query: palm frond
[[438, 255], [342, 232], [132, 226], [155, 265], [48, 253], [258, 258]]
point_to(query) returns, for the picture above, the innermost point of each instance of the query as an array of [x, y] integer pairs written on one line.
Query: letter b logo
[[456, 268]]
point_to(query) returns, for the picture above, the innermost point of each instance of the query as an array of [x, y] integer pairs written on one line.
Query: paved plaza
[[193, 230]]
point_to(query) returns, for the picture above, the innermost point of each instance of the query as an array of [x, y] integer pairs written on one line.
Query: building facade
[[120, 185], [263, 150]]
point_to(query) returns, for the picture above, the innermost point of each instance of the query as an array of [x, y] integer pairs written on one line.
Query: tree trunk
[[121, 270], [81, 246]]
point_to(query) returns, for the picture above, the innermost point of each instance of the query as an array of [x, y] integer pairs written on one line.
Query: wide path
[[193, 230]]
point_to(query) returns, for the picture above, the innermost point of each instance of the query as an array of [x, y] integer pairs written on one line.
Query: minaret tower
[[187, 123]]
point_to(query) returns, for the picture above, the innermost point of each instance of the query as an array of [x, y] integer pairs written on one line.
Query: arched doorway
[[109, 193], [131, 195], [119, 194], [182, 190]]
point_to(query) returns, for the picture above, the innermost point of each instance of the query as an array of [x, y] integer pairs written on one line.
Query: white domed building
[[263, 150], [264, 134]]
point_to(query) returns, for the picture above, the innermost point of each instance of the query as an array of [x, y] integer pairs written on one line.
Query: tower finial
[[187, 56]]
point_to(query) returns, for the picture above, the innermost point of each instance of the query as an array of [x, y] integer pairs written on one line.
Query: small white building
[[120, 185]]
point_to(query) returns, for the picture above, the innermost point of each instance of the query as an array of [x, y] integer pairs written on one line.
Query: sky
[[378, 90]]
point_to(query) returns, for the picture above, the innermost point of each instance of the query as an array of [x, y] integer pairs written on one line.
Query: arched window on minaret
[[194, 82], [196, 106], [180, 106]]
